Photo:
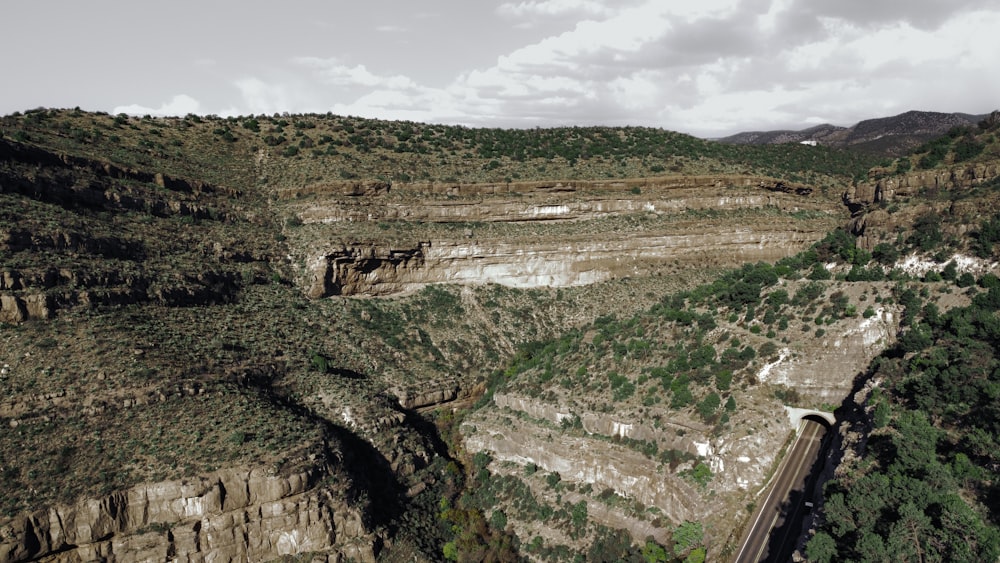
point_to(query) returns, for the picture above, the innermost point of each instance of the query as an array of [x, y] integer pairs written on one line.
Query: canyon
[[277, 364]]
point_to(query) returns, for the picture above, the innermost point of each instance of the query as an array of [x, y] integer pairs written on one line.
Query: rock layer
[[233, 515], [373, 270]]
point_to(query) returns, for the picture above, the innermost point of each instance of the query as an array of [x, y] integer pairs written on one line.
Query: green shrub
[[819, 272], [701, 474], [319, 362], [723, 380], [926, 232], [708, 406], [968, 148], [552, 479]]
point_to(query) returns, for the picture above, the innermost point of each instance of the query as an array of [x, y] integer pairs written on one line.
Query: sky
[[706, 67]]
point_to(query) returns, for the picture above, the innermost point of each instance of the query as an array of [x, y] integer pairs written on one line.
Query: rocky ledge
[[233, 515]]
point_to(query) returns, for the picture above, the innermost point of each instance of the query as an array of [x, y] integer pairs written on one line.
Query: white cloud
[[260, 97], [542, 8], [333, 72], [710, 67], [181, 104], [641, 90]]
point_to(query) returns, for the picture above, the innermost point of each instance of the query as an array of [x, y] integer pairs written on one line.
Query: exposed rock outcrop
[[583, 460], [870, 202], [860, 197], [573, 261], [825, 372], [233, 515], [525, 431], [539, 187], [429, 394]]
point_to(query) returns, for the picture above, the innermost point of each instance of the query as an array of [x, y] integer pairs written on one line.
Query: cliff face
[[536, 234], [870, 203], [540, 201], [569, 262], [233, 515], [859, 197], [823, 372]]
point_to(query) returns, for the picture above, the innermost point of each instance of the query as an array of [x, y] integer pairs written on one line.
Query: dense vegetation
[[926, 488]]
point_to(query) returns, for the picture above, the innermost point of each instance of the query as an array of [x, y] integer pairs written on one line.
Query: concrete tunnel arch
[[797, 415]]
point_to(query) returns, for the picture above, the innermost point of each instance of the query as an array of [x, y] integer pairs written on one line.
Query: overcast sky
[[706, 67]]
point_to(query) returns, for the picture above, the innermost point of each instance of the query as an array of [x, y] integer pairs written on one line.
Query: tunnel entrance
[[797, 415]]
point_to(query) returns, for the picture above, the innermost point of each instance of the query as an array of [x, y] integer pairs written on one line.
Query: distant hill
[[819, 133], [890, 136]]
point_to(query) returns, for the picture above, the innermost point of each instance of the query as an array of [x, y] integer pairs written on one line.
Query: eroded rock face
[[525, 431], [381, 271], [584, 460], [356, 188], [859, 197], [825, 372], [674, 222], [528, 210], [233, 515], [429, 394]]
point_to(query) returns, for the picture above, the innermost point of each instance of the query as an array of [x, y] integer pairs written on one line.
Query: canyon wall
[[861, 195], [572, 261], [232, 515], [875, 218]]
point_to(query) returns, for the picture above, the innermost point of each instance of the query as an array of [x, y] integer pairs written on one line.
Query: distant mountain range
[[892, 136]]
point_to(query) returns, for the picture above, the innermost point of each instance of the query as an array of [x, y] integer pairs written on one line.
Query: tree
[[885, 254], [653, 552], [723, 380], [821, 548], [741, 293], [579, 514], [498, 520], [687, 536], [926, 232], [708, 406], [871, 548], [950, 271], [819, 272]]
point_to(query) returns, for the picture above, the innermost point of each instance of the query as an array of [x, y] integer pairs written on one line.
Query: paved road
[[784, 500]]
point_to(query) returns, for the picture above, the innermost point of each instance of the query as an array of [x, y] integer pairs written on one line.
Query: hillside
[[889, 136], [330, 338]]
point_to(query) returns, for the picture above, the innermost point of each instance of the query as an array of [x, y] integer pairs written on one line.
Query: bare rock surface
[[232, 515]]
